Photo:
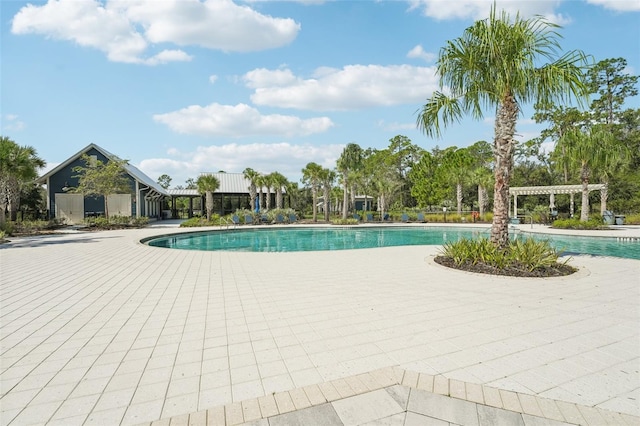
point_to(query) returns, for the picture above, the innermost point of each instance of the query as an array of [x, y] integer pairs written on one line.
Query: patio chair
[[369, 217], [404, 217], [292, 218], [357, 217], [248, 219], [235, 219], [279, 219], [421, 217]]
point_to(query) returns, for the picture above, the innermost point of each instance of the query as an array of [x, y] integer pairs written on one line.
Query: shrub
[[139, 222], [347, 221], [201, 221], [528, 254], [116, 222], [593, 223], [632, 219]]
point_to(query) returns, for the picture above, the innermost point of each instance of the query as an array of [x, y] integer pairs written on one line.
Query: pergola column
[[571, 205], [515, 205]]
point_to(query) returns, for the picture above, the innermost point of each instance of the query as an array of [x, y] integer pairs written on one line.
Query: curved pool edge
[[575, 248]]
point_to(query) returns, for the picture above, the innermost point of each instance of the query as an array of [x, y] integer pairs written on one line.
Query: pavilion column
[[515, 205], [571, 203], [190, 207], [138, 206]]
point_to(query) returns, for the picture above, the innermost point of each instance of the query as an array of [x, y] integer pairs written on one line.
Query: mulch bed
[[558, 270]]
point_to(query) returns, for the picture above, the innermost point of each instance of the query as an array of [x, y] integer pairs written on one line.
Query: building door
[[70, 208], [119, 205]]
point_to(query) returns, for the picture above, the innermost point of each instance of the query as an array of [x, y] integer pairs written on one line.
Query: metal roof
[[133, 171], [230, 183]]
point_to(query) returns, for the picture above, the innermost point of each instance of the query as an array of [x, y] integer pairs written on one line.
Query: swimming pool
[[347, 238]]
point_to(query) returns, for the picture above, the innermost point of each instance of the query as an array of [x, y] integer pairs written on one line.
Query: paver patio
[[97, 328]]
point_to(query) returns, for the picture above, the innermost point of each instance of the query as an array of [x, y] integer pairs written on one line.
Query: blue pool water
[[345, 238]]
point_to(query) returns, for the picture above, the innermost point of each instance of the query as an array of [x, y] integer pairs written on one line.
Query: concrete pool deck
[[97, 328]]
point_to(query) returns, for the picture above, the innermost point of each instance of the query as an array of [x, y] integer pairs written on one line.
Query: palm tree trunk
[[506, 117], [326, 204], [352, 192], [268, 199], [209, 204], [459, 198], [315, 204], [345, 200], [604, 196], [584, 211]]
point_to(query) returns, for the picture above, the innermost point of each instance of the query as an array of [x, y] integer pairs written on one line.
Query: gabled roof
[[133, 171]]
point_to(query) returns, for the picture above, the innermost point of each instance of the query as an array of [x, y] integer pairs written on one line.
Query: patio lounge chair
[[357, 217], [369, 217], [421, 217]]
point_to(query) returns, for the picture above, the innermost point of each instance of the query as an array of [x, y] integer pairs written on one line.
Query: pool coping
[[257, 411]]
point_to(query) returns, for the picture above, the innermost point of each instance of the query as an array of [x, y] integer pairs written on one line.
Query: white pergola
[[552, 191]]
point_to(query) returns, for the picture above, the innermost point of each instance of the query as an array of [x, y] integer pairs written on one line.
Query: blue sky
[[188, 86]]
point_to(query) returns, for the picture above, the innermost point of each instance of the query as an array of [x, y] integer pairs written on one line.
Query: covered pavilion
[[552, 191]]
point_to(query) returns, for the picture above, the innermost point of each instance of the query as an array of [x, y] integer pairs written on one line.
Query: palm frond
[[439, 111]]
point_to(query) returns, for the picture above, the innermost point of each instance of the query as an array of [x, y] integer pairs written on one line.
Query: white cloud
[[168, 56], [420, 53], [479, 9], [286, 158], [214, 24], [126, 29], [239, 121], [213, 79], [618, 5], [395, 126], [13, 123], [352, 87]]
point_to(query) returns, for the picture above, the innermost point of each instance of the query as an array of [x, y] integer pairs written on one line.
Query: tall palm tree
[[260, 182], [457, 167], [311, 176], [293, 194], [482, 177], [208, 184], [18, 166], [327, 177], [279, 181], [496, 64], [251, 175], [595, 149], [267, 181], [350, 160]]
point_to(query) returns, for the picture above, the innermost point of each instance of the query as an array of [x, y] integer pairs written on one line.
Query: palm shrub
[[521, 254]]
